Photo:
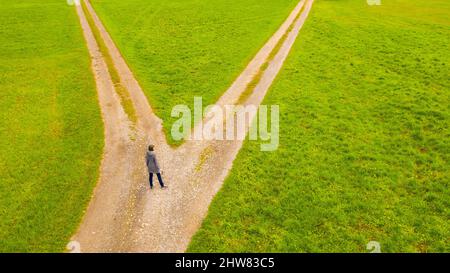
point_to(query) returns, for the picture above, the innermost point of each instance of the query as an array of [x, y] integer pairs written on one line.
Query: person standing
[[153, 167]]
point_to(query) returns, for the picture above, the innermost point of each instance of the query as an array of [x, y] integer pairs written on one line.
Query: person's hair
[[150, 147]]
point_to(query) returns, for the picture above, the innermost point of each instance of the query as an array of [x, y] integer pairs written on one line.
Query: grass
[[205, 154], [179, 49], [120, 89], [364, 140], [51, 129]]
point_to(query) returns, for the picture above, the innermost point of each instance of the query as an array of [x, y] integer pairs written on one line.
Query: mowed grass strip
[[120, 89], [179, 49], [50, 128], [257, 78], [364, 140]]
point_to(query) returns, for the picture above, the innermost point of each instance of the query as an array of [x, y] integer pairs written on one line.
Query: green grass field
[[364, 140], [179, 49], [51, 131]]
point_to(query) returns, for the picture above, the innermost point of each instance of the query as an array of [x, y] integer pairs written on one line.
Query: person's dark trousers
[[159, 179]]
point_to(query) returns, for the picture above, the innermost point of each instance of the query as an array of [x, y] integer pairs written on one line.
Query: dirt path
[[124, 215]]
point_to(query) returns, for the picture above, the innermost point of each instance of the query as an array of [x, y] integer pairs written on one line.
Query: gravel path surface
[[124, 215]]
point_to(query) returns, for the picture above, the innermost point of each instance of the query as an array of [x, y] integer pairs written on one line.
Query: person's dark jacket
[[152, 163]]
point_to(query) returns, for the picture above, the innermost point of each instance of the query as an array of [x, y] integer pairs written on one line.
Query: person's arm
[[156, 163]]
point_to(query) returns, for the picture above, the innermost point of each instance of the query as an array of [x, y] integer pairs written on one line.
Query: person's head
[[151, 147]]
